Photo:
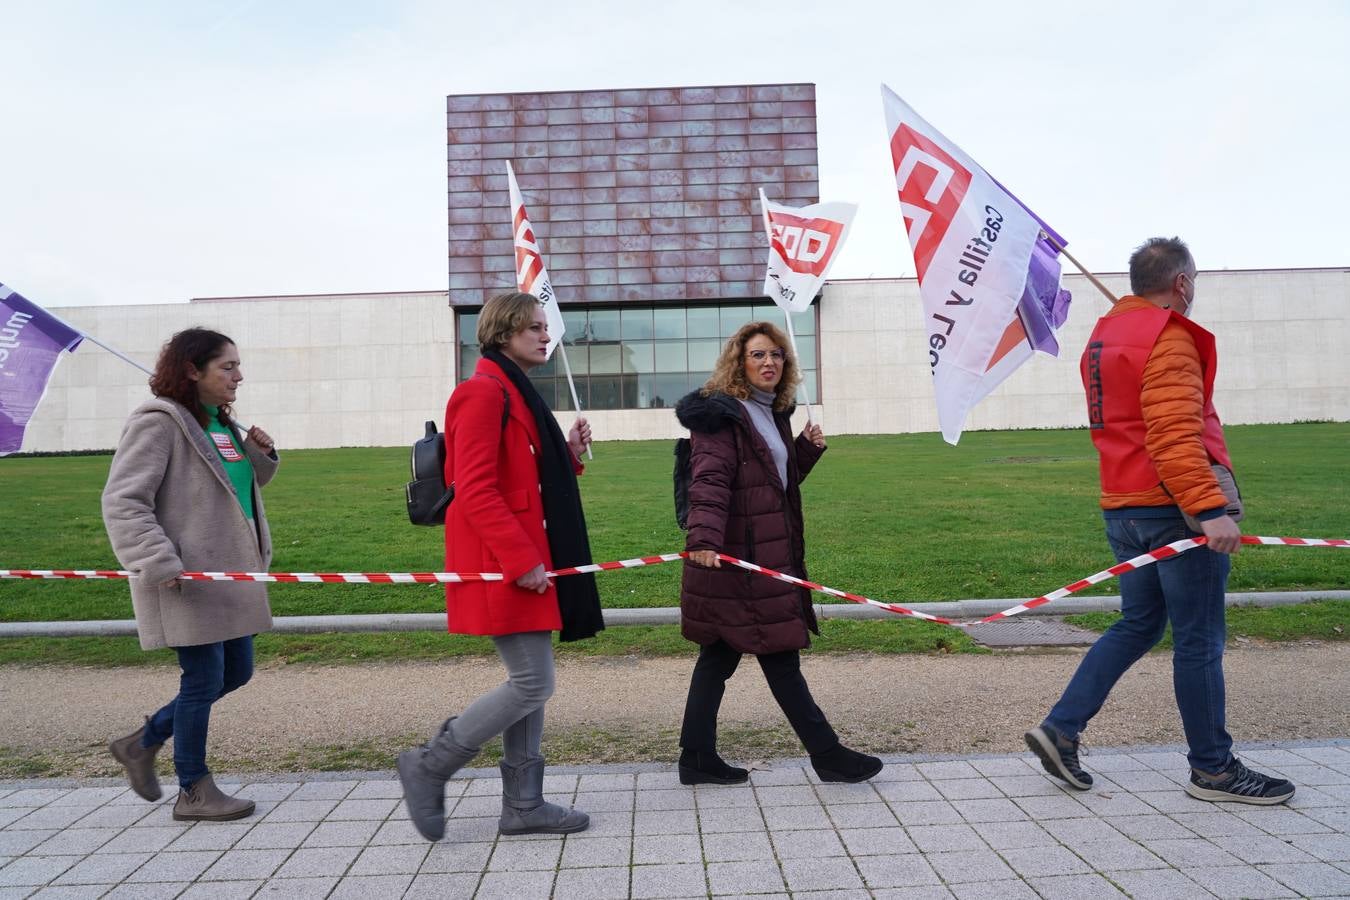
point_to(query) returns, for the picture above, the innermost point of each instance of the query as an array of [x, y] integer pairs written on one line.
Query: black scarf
[[568, 543]]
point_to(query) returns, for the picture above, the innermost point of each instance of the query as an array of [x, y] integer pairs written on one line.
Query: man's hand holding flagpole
[[802, 245], [532, 278]]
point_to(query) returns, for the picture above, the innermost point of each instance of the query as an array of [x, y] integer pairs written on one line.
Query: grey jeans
[[515, 709]]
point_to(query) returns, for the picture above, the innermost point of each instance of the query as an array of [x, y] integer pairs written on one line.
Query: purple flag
[[31, 341], [1044, 304]]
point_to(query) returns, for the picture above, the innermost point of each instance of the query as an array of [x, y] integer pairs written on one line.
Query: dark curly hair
[[189, 349]]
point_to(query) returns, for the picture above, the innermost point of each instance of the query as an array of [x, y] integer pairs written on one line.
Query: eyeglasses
[[759, 355]]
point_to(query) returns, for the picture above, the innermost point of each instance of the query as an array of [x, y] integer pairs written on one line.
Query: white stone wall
[[367, 370]]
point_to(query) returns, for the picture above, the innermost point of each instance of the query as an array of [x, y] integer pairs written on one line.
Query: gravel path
[[628, 709]]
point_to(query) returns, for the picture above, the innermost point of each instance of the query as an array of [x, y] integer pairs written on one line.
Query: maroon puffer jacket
[[737, 505]]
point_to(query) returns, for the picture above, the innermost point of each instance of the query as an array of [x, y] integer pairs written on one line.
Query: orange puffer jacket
[[1173, 399]]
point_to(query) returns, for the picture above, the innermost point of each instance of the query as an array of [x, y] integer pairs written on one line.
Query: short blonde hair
[[503, 317], [728, 376]]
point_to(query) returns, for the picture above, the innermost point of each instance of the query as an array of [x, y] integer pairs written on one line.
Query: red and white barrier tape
[[1145, 559], [1148, 559]]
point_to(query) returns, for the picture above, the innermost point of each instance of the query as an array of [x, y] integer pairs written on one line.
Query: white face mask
[[1189, 301]]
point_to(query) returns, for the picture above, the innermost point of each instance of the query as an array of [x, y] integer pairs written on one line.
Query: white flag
[[973, 246], [803, 241], [531, 276]]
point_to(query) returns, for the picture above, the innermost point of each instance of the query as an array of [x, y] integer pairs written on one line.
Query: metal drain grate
[[1032, 632]]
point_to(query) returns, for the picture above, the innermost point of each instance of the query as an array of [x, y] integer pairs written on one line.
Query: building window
[[644, 357]]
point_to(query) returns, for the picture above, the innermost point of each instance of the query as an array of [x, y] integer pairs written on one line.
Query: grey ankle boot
[[139, 761], [524, 809], [424, 771], [202, 801]]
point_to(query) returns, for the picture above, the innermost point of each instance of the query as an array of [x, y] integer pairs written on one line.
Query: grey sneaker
[[1239, 784], [1058, 755]]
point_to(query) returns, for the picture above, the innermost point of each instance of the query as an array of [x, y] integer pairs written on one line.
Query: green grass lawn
[[896, 517]]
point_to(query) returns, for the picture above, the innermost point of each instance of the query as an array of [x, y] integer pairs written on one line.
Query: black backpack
[[428, 494], [682, 471]]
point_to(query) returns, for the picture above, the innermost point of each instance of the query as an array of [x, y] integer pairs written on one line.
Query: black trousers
[[783, 671]]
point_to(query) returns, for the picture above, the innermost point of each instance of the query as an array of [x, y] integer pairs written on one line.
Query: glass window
[[547, 388], [810, 387], [703, 356], [672, 356], [669, 323], [637, 324], [468, 360], [804, 322], [668, 389], [604, 325], [564, 393], [733, 317], [638, 356], [702, 321], [606, 392], [574, 325], [806, 352], [604, 360], [468, 329]]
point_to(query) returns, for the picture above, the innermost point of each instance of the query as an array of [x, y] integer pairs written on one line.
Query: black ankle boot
[[843, 764], [706, 767]]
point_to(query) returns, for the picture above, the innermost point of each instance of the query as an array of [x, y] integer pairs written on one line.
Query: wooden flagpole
[[1090, 277]]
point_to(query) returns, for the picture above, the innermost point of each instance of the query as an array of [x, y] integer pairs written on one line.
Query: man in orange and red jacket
[[1149, 375]]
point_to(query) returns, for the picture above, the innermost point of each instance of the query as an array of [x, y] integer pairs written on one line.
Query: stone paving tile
[[318, 862], [581, 852], [1026, 786], [1005, 765], [117, 815], [929, 892], [901, 870], [441, 886], [1157, 884], [274, 791], [75, 841], [780, 775], [163, 890], [35, 870], [788, 818], [185, 866], [654, 849], [524, 856], [376, 809], [746, 818], [936, 812], [938, 838], [807, 844], [1193, 852], [831, 873], [1078, 831], [1013, 835], [341, 834], [299, 888], [1150, 827], [967, 789], [837, 794], [210, 836], [300, 811], [1075, 887], [610, 883], [103, 868], [665, 799], [861, 815], [1326, 847], [377, 789], [238, 865], [1283, 821], [668, 881], [876, 841], [1118, 854], [135, 840], [514, 885], [970, 865], [607, 782], [70, 892], [48, 817], [1237, 882], [733, 878], [323, 790], [604, 801], [224, 890], [34, 796], [1144, 780], [896, 771], [1113, 804], [745, 846], [10, 813], [17, 843], [907, 791], [993, 810], [1057, 806], [453, 857], [371, 887], [1310, 879], [722, 796], [1036, 862], [673, 821], [275, 836]]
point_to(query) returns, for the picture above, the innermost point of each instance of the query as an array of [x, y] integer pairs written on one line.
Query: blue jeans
[[210, 671], [1188, 590]]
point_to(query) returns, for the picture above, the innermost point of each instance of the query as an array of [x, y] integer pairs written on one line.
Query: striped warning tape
[[1146, 559]]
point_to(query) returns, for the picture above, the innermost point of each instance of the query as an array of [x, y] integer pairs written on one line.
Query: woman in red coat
[[516, 511], [744, 501]]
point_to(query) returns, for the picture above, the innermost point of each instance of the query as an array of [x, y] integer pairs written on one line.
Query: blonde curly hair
[[728, 376]]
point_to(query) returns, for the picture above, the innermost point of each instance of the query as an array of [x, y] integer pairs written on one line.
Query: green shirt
[[236, 462]]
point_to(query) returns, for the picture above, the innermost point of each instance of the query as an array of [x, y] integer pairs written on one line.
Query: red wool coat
[[496, 521]]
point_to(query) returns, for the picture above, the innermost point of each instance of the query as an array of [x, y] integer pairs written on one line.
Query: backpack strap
[[506, 398]]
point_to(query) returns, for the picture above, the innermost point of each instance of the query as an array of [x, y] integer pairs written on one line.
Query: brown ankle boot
[[202, 801], [139, 762]]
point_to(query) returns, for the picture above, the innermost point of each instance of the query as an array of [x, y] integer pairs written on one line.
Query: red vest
[[1113, 369]]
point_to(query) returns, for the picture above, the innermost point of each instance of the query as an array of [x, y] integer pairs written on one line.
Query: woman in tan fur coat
[[183, 495]]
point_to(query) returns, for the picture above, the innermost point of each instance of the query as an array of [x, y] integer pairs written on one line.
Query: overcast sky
[[156, 151]]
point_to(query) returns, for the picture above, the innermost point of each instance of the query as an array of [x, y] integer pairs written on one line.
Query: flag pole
[[787, 315], [576, 404], [1090, 277]]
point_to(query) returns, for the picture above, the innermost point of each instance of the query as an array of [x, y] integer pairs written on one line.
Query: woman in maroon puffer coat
[[744, 501]]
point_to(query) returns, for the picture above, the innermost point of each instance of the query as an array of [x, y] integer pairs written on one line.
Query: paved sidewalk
[[974, 826]]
